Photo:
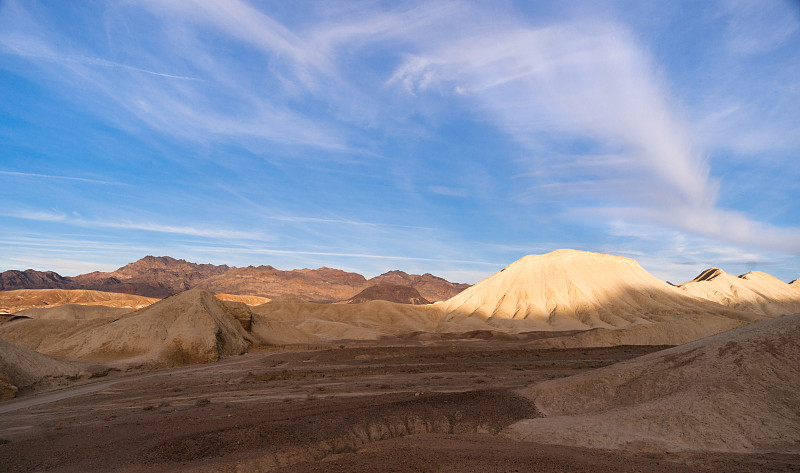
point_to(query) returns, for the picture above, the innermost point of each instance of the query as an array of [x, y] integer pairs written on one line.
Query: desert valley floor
[[365, 407], [570, 361]]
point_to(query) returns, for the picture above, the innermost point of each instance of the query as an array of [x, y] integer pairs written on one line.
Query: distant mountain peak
[[162, 276]]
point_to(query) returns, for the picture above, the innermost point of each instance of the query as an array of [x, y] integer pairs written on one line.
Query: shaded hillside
[[391, 293], [32, 279], [734, 391], [191, 327], [164, 276], [21, 369], [432, 288]]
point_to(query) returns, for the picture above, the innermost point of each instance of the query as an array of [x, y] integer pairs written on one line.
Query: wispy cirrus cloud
[[64, 178], [215, 233], [591, 80], [179, 88], [371, 256], [346, 129], [340, 221], [17, 49]]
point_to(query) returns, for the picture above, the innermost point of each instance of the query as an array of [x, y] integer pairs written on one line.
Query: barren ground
[[417, 406]]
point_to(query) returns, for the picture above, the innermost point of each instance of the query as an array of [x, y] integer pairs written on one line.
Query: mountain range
[[163, 276]]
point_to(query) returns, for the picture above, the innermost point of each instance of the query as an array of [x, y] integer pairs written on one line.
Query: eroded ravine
[[267, 447]]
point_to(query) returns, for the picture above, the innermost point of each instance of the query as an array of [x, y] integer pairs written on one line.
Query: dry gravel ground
[[421, 406]]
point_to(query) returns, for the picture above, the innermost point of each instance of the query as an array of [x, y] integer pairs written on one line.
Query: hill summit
[[572, 289]]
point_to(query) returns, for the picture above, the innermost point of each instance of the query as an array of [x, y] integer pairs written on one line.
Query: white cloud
[[182, 88], [593, 80], [215, 233], [64, 267]]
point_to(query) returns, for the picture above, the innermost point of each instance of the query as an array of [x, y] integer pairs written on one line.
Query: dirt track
[[430, 407]]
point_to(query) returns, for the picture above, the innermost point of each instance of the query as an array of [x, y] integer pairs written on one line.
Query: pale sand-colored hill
[[249, 300], [735, 391], [576, 290], [21, 299], [613, 299], [21, 369], [752, 292], [191, 327], [366, 321]]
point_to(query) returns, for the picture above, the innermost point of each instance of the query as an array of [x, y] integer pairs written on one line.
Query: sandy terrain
[[22, 369], [191, 327], [612, 299], [21, 299], [433, 407], [498, 378], [735, 391], [249, 300]]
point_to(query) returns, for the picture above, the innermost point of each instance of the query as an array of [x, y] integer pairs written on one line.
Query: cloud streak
[[272, 251], [64, 178], [591, 80], [519, 124], [213, 233], [217, 98]]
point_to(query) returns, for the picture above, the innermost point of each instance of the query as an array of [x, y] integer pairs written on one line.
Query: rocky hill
[[163, 276], [32, 279], [432, 288], [391, 293]]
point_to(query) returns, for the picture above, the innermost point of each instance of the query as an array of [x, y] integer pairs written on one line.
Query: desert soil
[[416, 406]]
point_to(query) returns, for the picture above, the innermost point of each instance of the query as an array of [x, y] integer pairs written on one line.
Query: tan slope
[[389, 292], [249, 300], [752, 292], [15, 301], [191, 327], [268, 331], [74, 312], [21, 369], [733, 391], [365, 321], [675, 330], [575, 290]]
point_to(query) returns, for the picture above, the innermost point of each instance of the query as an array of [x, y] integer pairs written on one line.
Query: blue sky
[[447, 137]]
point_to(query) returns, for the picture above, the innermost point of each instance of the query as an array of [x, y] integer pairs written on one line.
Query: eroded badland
[[570, 361]]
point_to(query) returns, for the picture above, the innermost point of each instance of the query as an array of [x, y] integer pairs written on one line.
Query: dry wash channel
[[267, 411]]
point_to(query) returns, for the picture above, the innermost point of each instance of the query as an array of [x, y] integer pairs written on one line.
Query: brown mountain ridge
[[389, 292], [162, 276]]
